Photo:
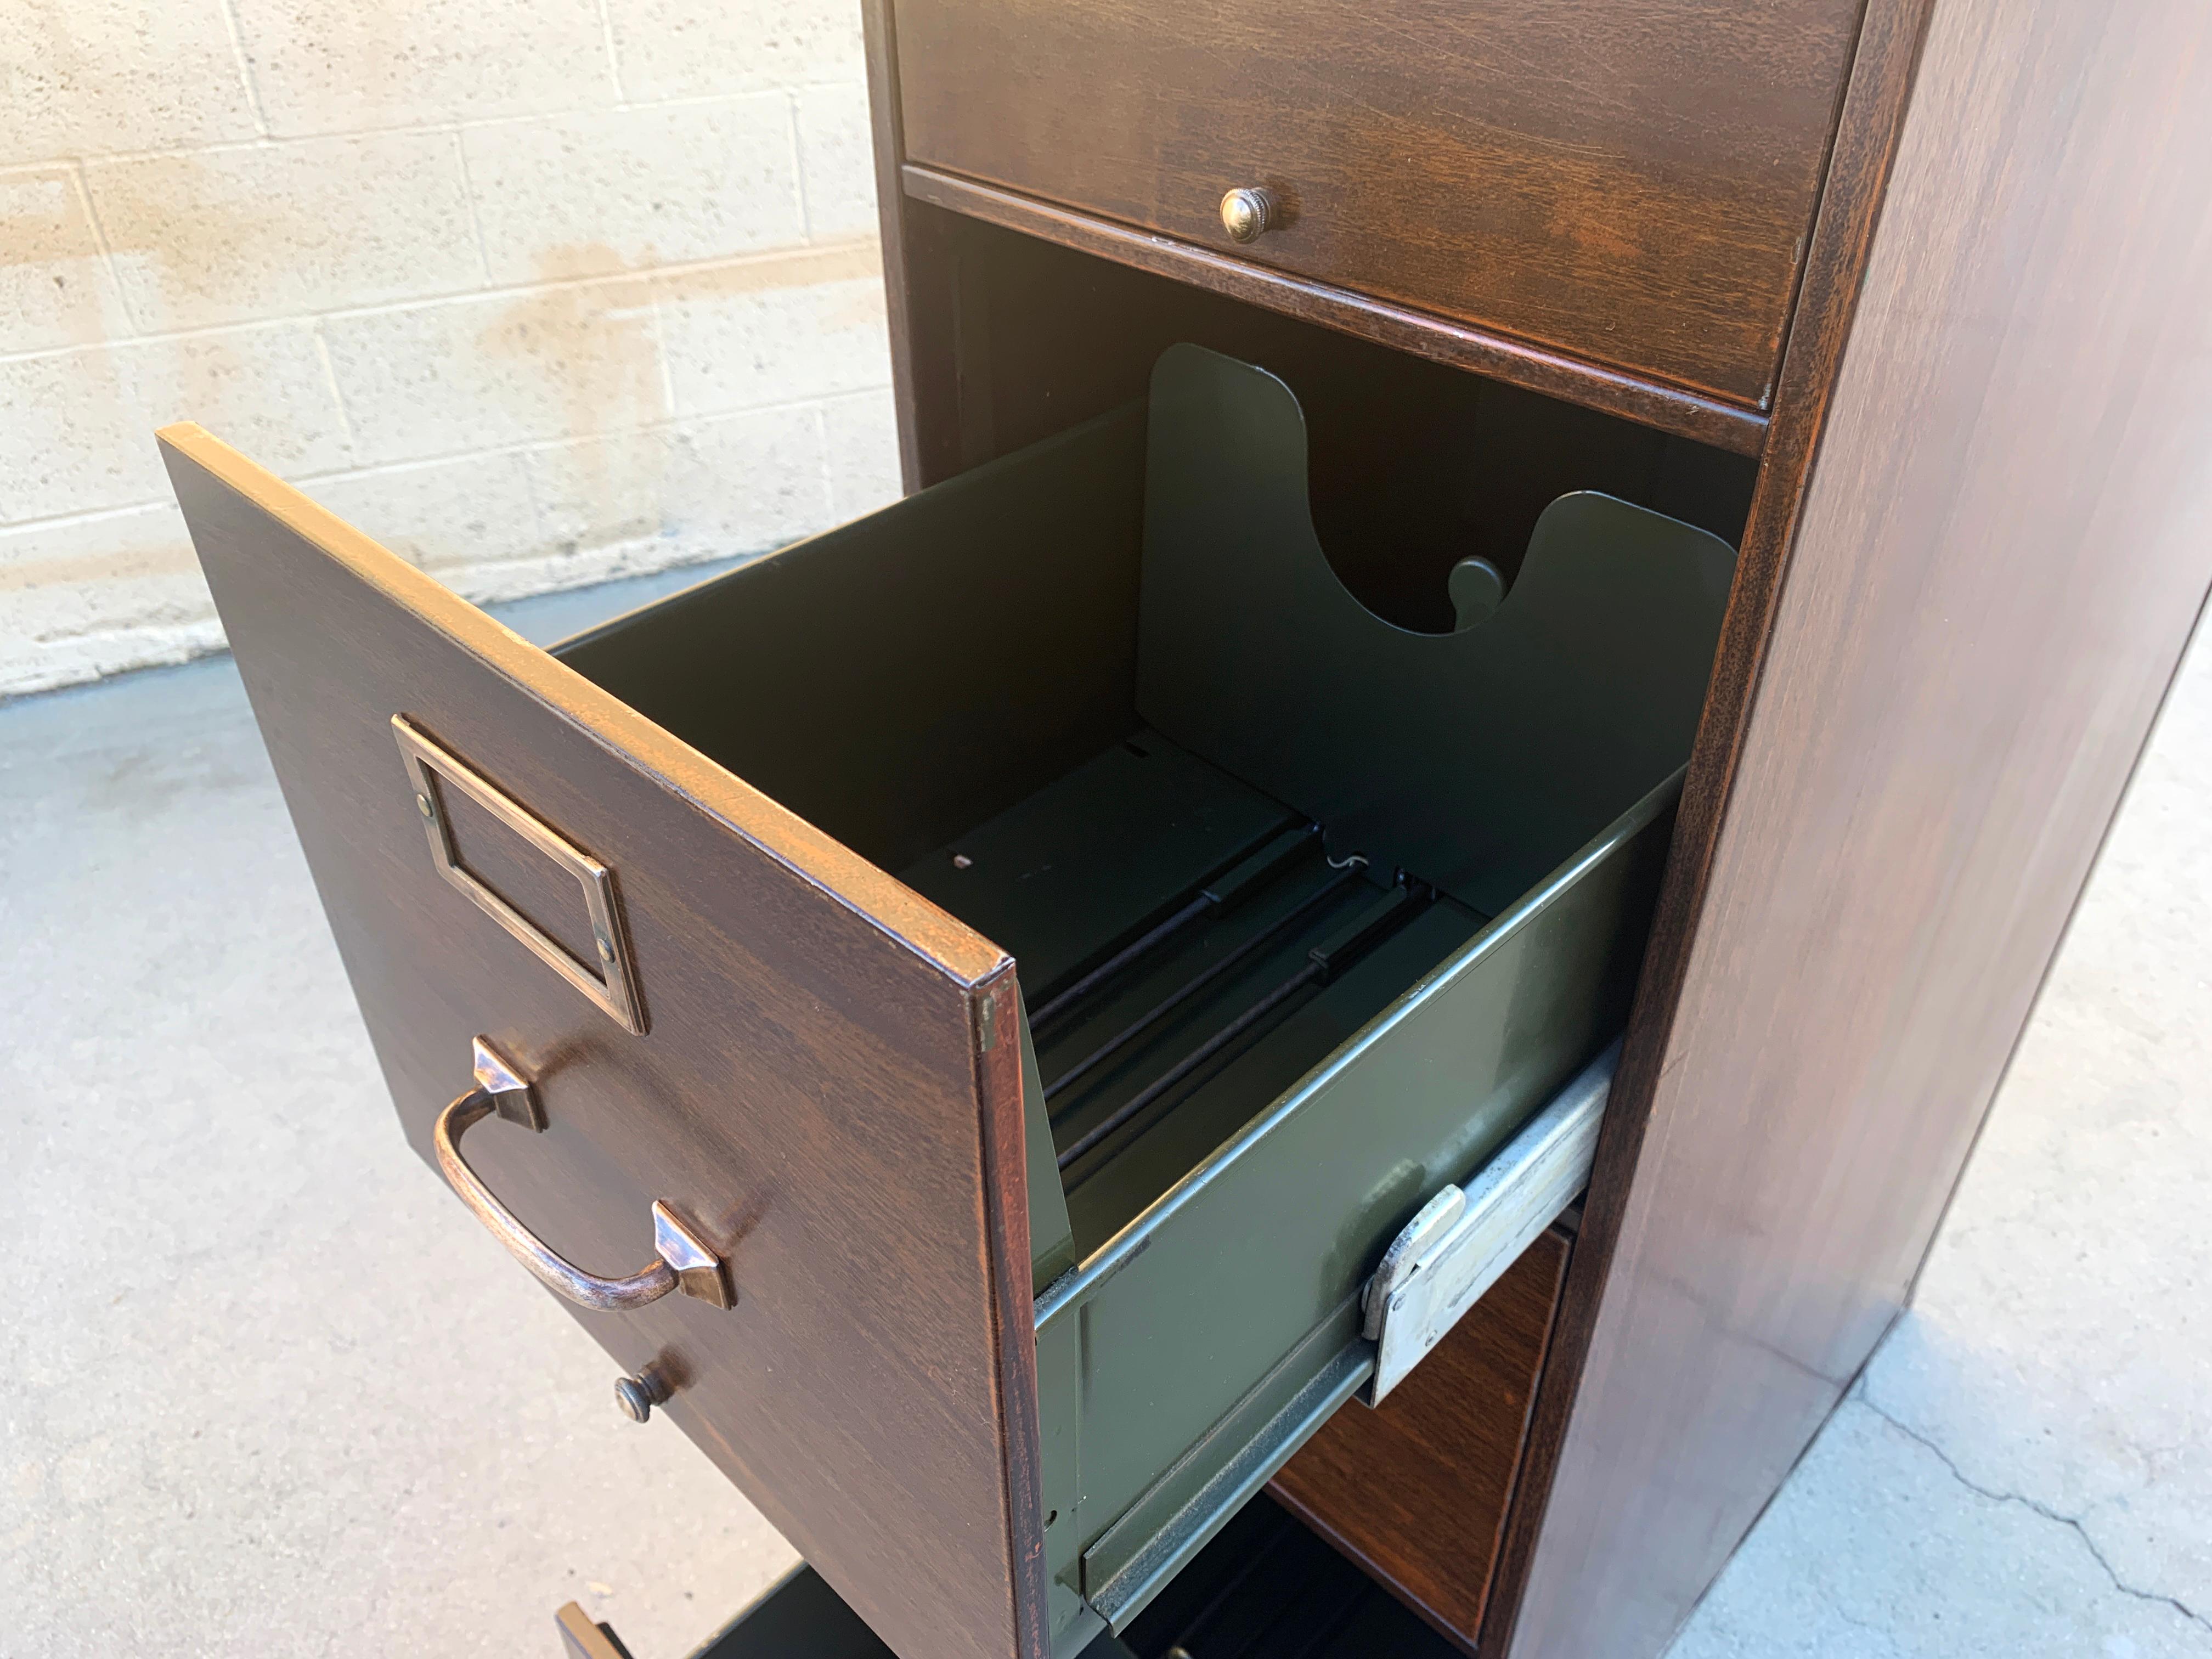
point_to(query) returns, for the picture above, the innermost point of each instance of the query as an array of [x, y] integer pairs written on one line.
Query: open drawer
[[996, 1297]]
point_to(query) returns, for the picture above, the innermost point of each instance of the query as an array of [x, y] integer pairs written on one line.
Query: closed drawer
[[1016, 960], [1628, 181]]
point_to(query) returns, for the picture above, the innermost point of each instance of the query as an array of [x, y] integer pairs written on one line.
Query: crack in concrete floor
[[2071, 1522], [2053, 1372]]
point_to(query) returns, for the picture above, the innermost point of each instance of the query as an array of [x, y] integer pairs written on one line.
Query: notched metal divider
[[1479, 758], [1448, 845]]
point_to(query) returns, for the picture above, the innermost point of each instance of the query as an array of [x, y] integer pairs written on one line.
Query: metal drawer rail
[[1465, 1237]]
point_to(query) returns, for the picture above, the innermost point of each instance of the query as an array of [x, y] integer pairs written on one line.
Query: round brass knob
[[638, 1395], [1247, 212]]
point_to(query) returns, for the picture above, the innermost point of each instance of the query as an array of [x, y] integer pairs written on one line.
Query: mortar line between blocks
[[799, 166], [430, 129], [237, 34], [331, 379], [817, 401], [829, 471], [469, 195], [140, 336], [106, 256], [614, 58], [814, 401], [658, 306]]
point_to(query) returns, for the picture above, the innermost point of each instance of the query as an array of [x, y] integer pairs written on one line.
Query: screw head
[[423, 805], [961, 861], [606, 948], [635, 1399], [638, 1395]]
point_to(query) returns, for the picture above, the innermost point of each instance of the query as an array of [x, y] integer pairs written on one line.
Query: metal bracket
[[512, 1096], [1465, 1237]]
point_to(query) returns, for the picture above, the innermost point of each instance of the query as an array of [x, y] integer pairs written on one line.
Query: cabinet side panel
[[2002, 550], [1859, 174]]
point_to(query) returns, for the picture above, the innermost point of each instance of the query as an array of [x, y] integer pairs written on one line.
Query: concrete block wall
[[536, 292]]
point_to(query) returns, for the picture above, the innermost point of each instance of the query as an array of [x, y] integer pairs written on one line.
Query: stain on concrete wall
[[537, 294]]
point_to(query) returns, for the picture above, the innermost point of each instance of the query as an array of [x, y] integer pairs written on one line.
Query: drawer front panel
[[812, 1087], [1630, 181]]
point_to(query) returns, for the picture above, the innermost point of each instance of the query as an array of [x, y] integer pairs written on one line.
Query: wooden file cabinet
[[1245, 356]]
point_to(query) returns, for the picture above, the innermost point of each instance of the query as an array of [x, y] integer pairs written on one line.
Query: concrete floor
[[265, 1387]]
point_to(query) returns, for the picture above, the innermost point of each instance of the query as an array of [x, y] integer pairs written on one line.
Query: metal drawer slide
[[1465, 1237]]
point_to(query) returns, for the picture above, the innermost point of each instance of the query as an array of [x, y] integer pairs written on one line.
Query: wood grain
[[1999, 556], [924, 342], [1865, 149], [812, 1092], [1439, 339], [1627, 181], [1416, 1490]]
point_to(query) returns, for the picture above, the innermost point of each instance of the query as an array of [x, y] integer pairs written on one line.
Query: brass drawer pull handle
[[684, 1262], [1249, 212]]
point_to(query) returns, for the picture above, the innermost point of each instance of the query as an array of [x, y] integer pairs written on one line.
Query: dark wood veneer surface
[[1628, 181], [1650, 403], [812, 1090], [924, 337], [1996, 561], [1865, 146], [1415, 1489]]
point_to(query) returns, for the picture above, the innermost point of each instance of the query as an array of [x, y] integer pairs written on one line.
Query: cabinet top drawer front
[[1629, 181]]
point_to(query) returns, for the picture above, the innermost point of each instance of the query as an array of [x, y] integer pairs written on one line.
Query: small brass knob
[[1247, 212], [638, 1395]]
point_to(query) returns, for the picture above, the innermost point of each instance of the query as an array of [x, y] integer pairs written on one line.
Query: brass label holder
[[433, 770]]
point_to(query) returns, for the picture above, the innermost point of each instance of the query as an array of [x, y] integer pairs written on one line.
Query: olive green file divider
[[1476, 760], [1528, 767], [906, 679]]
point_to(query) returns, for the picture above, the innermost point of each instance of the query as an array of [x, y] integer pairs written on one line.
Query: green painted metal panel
[[897, 679], [1051, 1241], [1231, 1269], [1528, 765], [1104, 850], [1478, 759]]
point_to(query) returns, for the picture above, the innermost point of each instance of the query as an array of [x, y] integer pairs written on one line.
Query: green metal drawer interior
[[1309, 913]]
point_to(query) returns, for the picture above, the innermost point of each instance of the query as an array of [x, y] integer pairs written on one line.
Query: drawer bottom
[[1189, 952]]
